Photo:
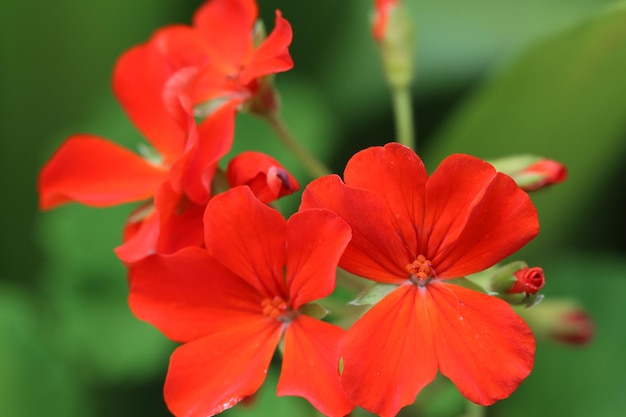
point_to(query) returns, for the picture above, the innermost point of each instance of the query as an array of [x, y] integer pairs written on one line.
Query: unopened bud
[[528, 281], [562, 321], [532, 172], [267, 178], [392, 29]]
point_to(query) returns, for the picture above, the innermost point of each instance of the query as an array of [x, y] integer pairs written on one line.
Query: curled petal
[[138, 79], [389, 353], [310, 365], [272, 56], [215, 372], [93, 171]]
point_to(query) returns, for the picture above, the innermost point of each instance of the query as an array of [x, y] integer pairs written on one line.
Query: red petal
[[140, 239], [388, 354], [265, 176], [138, 80], [227, 26], [310, 365], [376, 250], [398, 175], [95, 172], [316, 239], [482, 345], [272, 55], [194, 172], [180, 221], [479, 217], [189, 295], [215, 372], [249, 238]]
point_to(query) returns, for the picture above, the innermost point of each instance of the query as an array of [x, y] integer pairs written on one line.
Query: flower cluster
[[215, 267]]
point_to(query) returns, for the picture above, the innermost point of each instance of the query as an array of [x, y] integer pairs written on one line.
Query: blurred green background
[[494, 79]]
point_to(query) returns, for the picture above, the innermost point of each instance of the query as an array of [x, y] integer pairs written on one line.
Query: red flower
[[418, 232], [219, 57], [529, 281], [231, 304], [267, 179], [93, 171]]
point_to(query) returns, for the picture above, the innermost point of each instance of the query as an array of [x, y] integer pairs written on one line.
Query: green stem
[[474, 410], [403, 111], [313, 165]]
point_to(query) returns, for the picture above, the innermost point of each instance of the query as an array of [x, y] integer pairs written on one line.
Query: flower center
[[421, 270], [277, 309]]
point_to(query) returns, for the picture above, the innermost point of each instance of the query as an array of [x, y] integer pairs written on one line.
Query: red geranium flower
[[232, 303], [219, 57], [93, 171], [418, 232]]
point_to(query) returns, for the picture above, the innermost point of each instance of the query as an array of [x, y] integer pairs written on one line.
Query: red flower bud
[[381, 17], [529, 281], [547, 172], [576, 328]]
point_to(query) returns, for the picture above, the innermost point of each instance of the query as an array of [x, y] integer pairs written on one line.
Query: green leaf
[[564, 98], [373, 294]]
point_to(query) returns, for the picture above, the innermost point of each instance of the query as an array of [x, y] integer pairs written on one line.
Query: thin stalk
[[474, 410], [313, 165], [403, 112]]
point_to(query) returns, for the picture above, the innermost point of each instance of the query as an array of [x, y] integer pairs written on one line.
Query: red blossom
[[574, 328], [529, 281], [418, 232], [93, 171], [231, 303]]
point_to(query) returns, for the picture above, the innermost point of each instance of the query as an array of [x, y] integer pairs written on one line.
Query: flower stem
[[474, 410], [313, 165], [403, 112]]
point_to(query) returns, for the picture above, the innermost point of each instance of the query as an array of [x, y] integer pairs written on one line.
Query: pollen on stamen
[[421, 270], [276, 309]]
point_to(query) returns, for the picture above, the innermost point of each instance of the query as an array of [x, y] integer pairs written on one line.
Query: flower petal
[[138, 79], [398, 175], [316, 239], [249, 238], [389, 353], [272, 55], [482, 345], [376, 250], [227, 26], [310, 365], [211, 374], [190, 294], [140, 238], [497, 222], [93, 171]]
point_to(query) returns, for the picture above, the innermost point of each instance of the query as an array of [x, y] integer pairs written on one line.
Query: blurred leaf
[[86, 291], [564, 98], [33, 382], [580, 381]]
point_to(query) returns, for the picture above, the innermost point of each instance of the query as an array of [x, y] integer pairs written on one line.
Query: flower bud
[[393, 31], [562, 321], [267, 179], [532, 172], [528, 281]]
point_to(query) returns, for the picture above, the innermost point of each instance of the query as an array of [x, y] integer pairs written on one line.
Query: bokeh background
[[494, 79]]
